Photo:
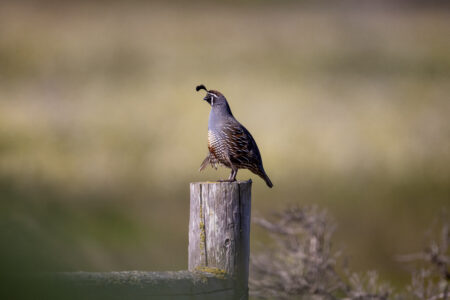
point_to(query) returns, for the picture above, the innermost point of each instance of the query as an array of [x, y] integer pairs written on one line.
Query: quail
[[230, 144]]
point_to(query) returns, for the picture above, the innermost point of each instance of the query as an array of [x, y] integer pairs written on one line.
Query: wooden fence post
[[219, 249], [219, 230]]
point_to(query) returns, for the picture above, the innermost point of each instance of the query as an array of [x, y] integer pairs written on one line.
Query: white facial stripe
[[212, 97]]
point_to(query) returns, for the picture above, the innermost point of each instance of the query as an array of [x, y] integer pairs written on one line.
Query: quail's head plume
[[230, 144]]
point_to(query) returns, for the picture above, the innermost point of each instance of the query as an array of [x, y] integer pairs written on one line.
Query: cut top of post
[[239, 182]]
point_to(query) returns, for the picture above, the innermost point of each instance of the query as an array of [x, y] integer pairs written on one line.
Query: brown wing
[[241, 146]]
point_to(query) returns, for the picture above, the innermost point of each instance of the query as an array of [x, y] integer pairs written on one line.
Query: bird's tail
[[205, 163], [264, 176], [209, 160], [267, 180]]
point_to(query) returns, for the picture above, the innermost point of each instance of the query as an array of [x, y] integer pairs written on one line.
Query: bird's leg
[[233, 171], [231, 178], [233, 175]]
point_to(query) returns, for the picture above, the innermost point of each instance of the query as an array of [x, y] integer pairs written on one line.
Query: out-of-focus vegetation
[[101, 129], [302, 263]]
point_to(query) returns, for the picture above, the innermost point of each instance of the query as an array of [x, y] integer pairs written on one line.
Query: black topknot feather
[[200, 87]]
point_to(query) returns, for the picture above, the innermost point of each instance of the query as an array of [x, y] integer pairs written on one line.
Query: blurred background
[[101, 129]]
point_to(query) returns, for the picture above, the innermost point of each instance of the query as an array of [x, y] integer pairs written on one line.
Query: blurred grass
[[101, 130]]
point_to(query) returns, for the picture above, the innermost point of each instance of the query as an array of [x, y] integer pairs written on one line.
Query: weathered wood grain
[[219, 229], [180, 285]]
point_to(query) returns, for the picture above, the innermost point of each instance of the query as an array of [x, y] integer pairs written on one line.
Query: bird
[[229, 143]]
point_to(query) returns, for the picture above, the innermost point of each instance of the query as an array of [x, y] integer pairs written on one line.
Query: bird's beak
[[208, 99]]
